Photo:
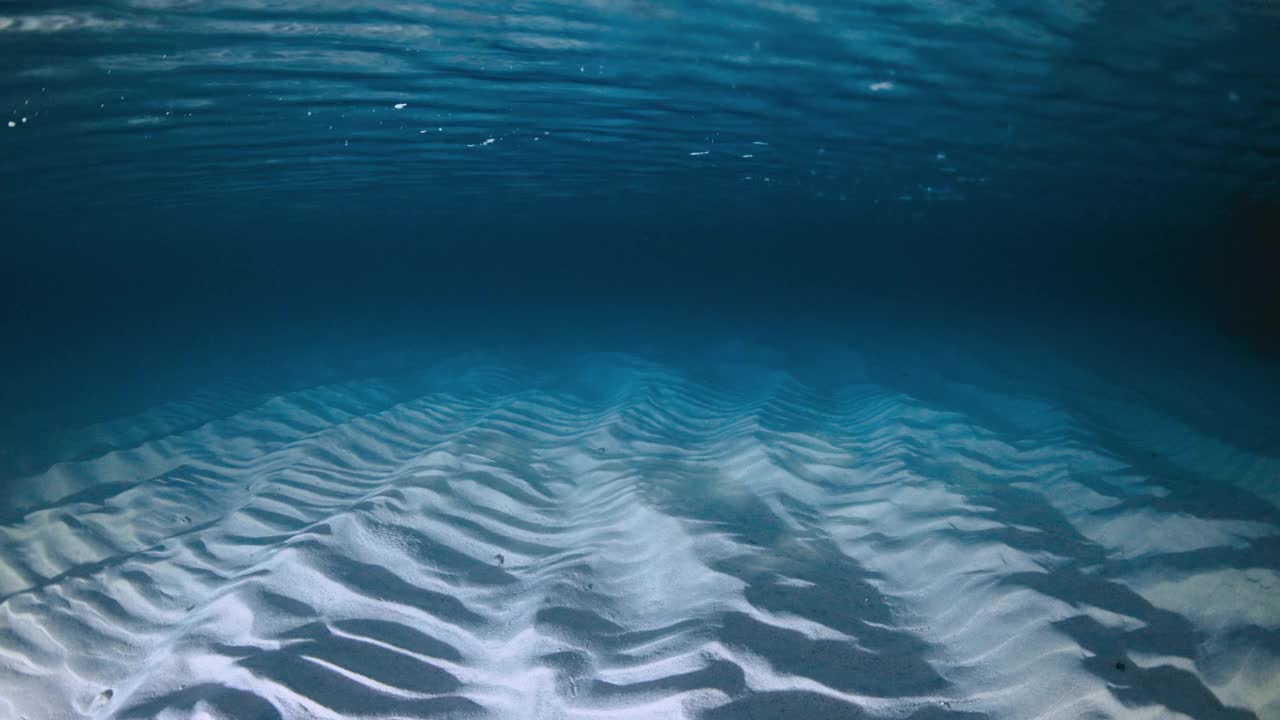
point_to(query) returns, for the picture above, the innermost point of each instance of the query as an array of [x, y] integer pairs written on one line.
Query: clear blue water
[[549, 360]]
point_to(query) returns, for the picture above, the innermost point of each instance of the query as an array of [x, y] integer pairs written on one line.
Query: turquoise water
[[558, 360]]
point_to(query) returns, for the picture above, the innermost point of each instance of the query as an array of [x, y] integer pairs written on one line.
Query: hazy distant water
[[457, 150]]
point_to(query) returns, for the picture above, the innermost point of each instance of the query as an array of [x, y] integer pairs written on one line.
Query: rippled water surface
[[725, 360], [889, 102]]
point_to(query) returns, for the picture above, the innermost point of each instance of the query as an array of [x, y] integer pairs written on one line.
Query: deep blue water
[[207, 154], [747, 254]]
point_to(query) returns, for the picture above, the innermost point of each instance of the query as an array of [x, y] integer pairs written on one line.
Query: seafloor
[[884, 521]]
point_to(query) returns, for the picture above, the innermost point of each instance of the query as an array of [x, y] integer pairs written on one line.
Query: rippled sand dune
[[896, 530]]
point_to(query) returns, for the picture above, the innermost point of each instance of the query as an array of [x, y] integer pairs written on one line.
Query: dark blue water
[[172, 154], [760, 253]]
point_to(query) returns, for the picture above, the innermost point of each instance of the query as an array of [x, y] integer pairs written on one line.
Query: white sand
[[911, 528]]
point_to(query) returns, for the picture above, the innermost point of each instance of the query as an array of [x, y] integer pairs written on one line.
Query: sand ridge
[[626, 535]]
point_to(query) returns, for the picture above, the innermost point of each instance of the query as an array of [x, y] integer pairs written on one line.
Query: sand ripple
[[609, 535]]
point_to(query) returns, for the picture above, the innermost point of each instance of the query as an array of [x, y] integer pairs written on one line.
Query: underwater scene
[[702, 359]]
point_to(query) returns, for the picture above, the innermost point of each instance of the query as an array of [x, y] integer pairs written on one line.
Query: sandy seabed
[[888, 526]]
